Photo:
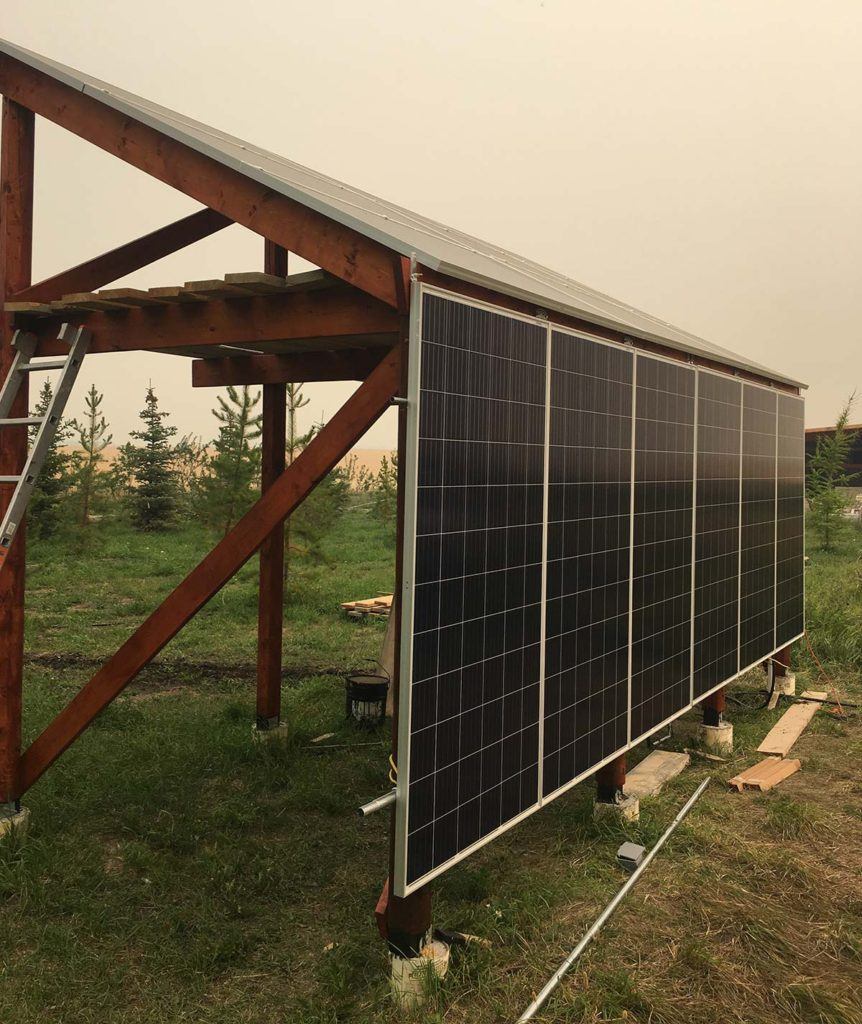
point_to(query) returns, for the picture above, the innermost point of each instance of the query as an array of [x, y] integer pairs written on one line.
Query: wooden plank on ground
[[765, 774], [649, 776], [790, 726]]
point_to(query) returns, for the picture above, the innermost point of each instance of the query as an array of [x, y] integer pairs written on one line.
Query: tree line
[[156, 480]]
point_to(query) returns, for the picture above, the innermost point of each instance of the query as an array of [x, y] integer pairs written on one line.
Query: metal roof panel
[[433, 244]]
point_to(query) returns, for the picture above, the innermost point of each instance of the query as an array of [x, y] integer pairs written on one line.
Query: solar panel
[[757, 553], [662, 582], [790, 554], [594, 540], [588, 552], [716, 607], [474, 732]]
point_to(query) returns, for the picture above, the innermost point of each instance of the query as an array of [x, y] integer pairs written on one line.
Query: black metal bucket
[[366, 694]]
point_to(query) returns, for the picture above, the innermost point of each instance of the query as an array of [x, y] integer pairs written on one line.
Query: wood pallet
[[373, 606], [119, 300], [765, 774]]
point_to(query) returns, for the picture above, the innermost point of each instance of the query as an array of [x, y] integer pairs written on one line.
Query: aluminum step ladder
[[24, 343]]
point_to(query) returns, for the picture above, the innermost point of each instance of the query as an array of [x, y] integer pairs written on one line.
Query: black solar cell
[[661, 593], [591, 540], [757, 584], [478, 578], [716, 623], [589, 518]]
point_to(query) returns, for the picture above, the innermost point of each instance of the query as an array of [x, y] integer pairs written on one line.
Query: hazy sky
[[700, 159]]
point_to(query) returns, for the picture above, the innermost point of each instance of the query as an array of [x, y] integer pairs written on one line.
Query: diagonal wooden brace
[[110, 266], [333, 442]]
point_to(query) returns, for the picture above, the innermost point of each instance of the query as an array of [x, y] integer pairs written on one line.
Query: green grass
[[175, 871]]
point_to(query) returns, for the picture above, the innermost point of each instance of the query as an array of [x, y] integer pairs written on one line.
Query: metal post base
[[269, 730], [14, 820]]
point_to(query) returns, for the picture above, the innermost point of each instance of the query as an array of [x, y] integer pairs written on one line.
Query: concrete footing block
[[716, 738], [14, 824], [786, 684], [412, 978], [625, 811], [272, 734]]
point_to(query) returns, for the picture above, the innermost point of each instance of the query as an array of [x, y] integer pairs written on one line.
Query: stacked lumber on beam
[[378, 606], [117, 300]]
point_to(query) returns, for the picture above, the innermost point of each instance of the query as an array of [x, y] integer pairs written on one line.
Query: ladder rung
[[49, 364], [22, 421], [9, 479]]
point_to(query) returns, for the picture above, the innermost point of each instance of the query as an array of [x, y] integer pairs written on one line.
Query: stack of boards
[[380, 606], [595, 539], [777, 766]]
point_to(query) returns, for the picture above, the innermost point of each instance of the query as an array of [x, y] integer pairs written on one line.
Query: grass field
[[177, 872]]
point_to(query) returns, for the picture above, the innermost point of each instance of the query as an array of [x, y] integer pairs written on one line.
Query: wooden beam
[[291, 368], [125, 259], [257, 319], [333, 442], [17, 138], [324, 242], [270, 608]]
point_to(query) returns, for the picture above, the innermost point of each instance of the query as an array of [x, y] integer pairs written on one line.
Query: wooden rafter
[[342, 251], [16, 250], [333, 313], [292, 368], [110, 266], [332, 443]]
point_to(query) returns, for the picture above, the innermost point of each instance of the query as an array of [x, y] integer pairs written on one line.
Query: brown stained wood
[[791, 725], [333, 442], [341, 250], [765, 774], [28, 308], [303, 315], [270, 617], [346, 364], [17, 142], [125, 259]]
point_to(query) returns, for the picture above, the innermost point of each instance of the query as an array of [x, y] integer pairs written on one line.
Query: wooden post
[[271, 592], [713, 708], [610, 781], [16, 250]]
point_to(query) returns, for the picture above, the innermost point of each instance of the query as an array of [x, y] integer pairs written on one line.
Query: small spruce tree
[[826, 474], [190, 462], [384, 491], [44, 512], [94, 439], [295, 442], [153, 488], [227, 488]]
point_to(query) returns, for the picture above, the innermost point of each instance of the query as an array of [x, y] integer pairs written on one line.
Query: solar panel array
[[594, 539]]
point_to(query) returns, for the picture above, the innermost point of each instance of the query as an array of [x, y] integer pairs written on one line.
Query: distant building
[[853, 466]]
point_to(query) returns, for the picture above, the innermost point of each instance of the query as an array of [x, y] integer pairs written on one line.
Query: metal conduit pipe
[[567, 964]]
